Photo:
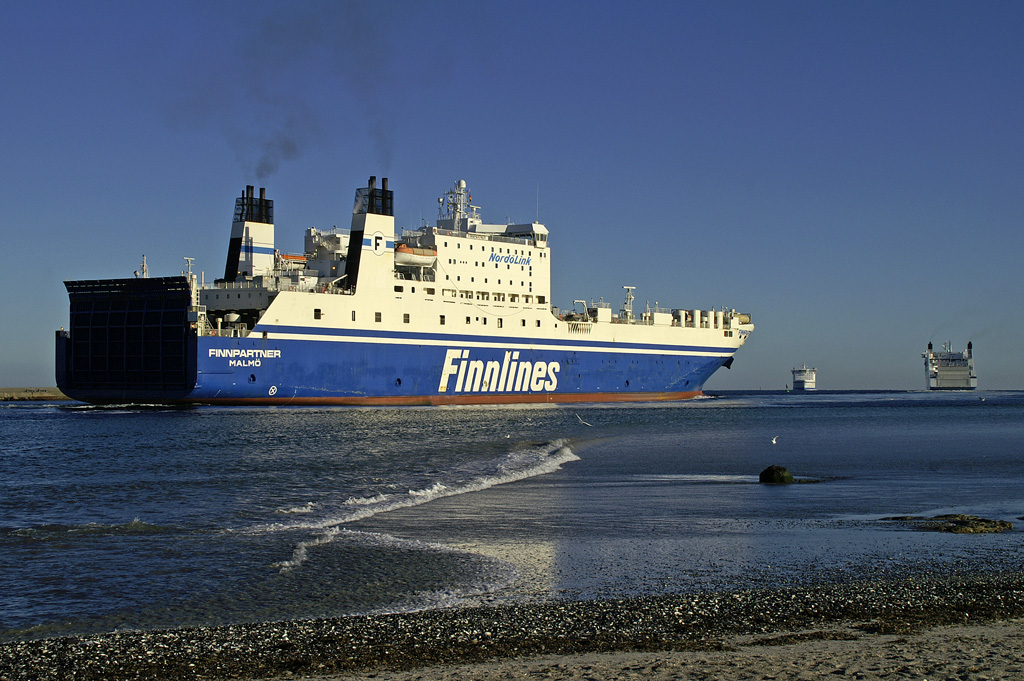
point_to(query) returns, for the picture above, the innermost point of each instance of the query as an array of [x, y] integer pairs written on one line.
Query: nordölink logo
[[510, 259], [508, 375]]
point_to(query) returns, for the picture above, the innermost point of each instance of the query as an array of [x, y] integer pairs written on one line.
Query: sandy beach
[[990, 651], [951, 626]]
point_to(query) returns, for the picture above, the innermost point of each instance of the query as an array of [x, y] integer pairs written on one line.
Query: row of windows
[[497, 297], [540, 253], [428, 291], [378, 317], [227, 296], [477, 263], [472, 280]]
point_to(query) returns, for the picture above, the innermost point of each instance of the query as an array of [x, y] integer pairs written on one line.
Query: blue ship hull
[[403, 369], [441, 370]]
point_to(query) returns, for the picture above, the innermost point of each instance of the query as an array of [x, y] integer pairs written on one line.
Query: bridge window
[[376, 316], [316, 313]]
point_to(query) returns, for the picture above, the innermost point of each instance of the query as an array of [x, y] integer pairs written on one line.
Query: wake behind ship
[[455, 313]]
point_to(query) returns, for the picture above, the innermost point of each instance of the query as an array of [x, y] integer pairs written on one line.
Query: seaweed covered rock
[[958, 523], [776, 475]]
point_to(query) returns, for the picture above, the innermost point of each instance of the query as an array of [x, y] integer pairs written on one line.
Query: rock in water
[[958, 523], [775, 475]]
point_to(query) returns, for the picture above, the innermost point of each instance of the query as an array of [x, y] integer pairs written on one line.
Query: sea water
[[121, 517]]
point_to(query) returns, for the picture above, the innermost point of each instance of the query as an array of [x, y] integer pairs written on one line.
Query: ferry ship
[[805, 379], [455, 313], [949, 369]]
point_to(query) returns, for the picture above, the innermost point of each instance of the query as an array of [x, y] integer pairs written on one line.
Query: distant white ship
[[950, 370], [805, 379]]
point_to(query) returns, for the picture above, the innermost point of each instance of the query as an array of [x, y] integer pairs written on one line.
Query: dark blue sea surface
[[121, 518]]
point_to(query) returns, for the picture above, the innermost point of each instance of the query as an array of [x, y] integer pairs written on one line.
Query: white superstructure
[[950, 370], [805, 379]]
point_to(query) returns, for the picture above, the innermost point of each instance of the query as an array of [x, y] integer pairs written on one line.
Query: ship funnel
[[251, 247], [370, 204]]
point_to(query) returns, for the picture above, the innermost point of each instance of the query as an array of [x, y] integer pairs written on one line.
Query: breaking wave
[[520, 464]]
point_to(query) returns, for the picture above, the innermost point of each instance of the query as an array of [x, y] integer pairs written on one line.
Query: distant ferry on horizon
[[804, 378], [455, 313], [950, 370]]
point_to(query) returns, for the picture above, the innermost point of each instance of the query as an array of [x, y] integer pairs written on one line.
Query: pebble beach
[[955, 626]]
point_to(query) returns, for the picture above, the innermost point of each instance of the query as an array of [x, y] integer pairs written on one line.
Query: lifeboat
[[417, 257]]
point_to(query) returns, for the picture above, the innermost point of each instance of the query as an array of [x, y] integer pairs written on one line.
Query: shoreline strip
[[485, 634]]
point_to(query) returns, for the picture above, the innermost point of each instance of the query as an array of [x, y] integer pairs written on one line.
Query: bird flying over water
[[582, 421], [775, 440]]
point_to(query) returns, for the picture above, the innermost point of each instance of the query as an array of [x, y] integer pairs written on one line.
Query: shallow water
[[125, 518]]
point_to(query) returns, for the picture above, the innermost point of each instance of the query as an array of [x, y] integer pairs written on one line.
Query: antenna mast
[[627, 307]]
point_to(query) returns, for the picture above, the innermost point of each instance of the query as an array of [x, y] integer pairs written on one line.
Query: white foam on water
[[493, 573], [308, 507], [367, 501], [517, 465], [433, 492]]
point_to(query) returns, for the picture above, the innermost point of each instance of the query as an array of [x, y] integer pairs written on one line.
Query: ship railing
[[269, 283], [484, 236], [414, 275], [233, 331], [248, 283]]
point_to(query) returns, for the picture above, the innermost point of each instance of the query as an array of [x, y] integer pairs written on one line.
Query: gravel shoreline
[[699, 621]]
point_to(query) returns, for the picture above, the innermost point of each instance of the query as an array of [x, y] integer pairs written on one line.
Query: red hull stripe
[[424, 400]]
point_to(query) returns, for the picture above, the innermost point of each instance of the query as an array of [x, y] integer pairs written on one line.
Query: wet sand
[[959, 626], [990, 651]]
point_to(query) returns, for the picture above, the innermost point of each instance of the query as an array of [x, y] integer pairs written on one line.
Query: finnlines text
[[244, 358], [508, 375]]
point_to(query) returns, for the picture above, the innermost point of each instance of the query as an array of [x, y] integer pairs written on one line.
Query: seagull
[[775, 440], [582, 421]]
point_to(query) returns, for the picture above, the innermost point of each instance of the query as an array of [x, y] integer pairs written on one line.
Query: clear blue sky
[[849, 173]]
